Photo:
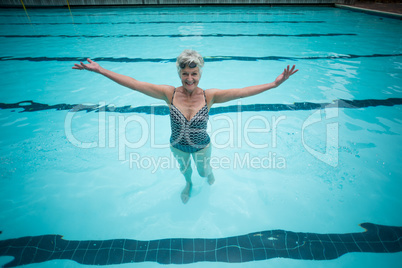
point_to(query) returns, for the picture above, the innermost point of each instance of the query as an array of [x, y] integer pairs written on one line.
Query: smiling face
[[190, 78]]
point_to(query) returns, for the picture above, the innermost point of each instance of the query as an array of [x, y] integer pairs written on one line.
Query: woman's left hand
[[285, 75], [92, 66]]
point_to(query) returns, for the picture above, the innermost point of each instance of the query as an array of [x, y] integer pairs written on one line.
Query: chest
[[189, 107]]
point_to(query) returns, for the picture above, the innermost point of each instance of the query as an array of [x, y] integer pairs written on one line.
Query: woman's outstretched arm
[[219, 96], [155, 91]]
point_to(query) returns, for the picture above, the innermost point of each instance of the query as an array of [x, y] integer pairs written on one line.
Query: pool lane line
[[206, 58], [175, 35], [31, 106], [163, 22], [256, 246]]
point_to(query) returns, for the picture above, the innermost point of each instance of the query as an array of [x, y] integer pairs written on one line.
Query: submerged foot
[[211, 179], [185, 194]]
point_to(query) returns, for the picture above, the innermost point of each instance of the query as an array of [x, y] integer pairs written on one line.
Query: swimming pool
[[318, 155]]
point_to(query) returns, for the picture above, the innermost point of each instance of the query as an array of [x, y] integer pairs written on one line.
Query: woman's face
[[190, 78]]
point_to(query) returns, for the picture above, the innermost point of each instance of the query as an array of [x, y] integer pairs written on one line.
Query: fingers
[[286, 71], [293, 67], [82, 66], [77, 66], [292, 70]]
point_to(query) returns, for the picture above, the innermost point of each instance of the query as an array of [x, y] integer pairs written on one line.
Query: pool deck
[[388, 9], [393, 10]]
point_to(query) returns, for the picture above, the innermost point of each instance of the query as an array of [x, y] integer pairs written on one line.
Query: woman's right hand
[[92, 66]]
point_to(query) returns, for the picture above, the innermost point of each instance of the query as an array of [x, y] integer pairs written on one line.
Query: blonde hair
[[188, 56]]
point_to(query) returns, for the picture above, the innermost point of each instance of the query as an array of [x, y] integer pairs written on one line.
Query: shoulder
[[214, 92], [223, 95], [168, 90], [211, 94]]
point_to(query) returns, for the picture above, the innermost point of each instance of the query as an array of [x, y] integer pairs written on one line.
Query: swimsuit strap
[[174, 91], [205, 97]]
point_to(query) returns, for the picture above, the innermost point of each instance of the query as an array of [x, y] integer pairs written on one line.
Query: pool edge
[[371, 11]]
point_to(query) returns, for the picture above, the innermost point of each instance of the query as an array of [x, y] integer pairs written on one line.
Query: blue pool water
[[321, 154]]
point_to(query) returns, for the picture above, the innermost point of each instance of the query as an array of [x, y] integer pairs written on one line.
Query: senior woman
[[189, 106]]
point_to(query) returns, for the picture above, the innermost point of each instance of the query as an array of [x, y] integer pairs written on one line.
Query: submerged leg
[[184, 161], [202, 161]]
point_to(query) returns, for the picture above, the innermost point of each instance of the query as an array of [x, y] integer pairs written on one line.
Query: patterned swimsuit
[[189, 135]]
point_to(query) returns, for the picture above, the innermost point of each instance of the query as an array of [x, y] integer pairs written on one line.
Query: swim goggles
[[191, 65]]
